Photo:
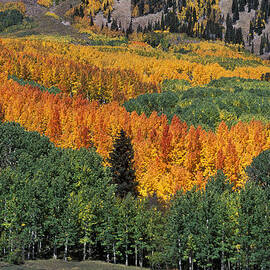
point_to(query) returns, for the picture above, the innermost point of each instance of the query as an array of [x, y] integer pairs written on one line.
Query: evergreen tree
[[162, 23], [251, 32], [114, 25], [91, 20], [239, 36], [129, 29], [262, 46], [235, 10], [109, 20], [229, 35], [81, 12], [121, 165], [242, 4], [259, 170]]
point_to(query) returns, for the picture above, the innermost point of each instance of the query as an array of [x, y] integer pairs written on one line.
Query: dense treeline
[[10, 17], [118, 74], [62, 203], [73, 77], [201, 19], [207, 106], [168, 156]]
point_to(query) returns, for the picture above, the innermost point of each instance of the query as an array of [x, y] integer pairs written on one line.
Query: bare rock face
[[66, 23], [122, 12]]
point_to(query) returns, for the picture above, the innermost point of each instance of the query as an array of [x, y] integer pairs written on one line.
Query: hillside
[[134, 132], [198, 19]]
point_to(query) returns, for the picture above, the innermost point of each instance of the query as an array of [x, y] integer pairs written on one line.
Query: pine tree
[[91, 20], [242, 4], [114, 25], [109, 17], [229, 35], [235, 10], [262, 46], [259, 170], [239, 36], [121, 165], [129, 29]]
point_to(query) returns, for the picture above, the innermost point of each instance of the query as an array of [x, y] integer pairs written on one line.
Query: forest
[[148, 148], [64, 202]]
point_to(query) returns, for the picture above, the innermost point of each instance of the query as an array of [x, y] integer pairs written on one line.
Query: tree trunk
[[54, 252], [66, 250], [33, 250], [126, 259], [114, 254], [11, 241], [180, 264], [108, 258], [23, 253], [179, 251], [28, 252], [84, 251], [39, 247], [136, 256], [190, 262], [126, 255], [141, 259], [222, 252], [90, 251]]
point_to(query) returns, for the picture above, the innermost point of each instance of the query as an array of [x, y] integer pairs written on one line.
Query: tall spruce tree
[[121, 165], [235, 10]]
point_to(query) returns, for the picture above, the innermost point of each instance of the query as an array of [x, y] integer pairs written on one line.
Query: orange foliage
[[167, 156]]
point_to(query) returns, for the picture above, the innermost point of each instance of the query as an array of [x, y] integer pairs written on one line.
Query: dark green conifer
[[122, 165]]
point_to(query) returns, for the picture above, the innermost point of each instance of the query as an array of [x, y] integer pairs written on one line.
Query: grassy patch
[[52, 14], [61, 265]]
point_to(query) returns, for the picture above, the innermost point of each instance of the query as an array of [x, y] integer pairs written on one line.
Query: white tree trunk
[[84, 251], [136, 255], [28, 252], [55, 252], [66, 250], [126, 255], [114, 254], [179, 250], [190, 262], [141, 258], [33, 244]]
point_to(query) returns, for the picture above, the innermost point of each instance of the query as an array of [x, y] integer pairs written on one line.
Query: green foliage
[[148, 103], [51, 90], [18, 146], [10, 17], [259, 170], [175, 85], [254, 234], [216, 226], [227, 99], [155, 39], [62, 201], [15, 257]]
